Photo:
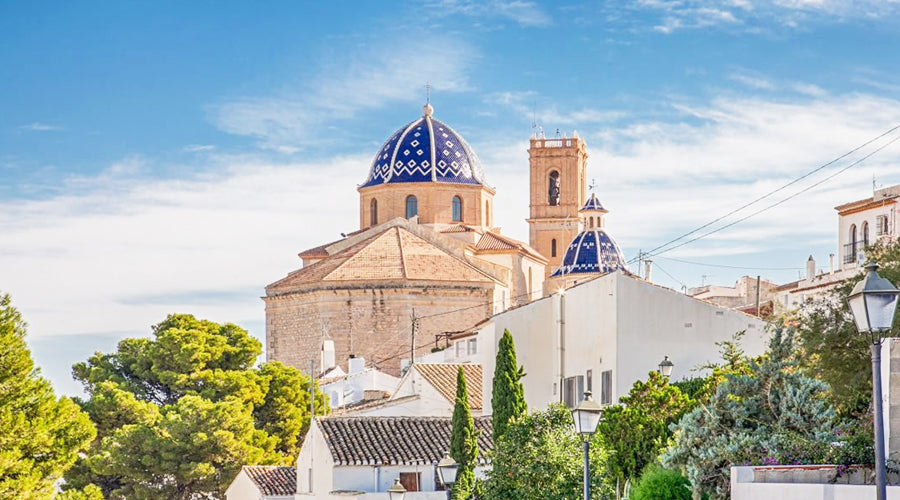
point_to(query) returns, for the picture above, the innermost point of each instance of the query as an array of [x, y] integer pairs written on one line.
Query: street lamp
[[587, 416], [873, 302], [397, 491], [447, 469], [665, 367]]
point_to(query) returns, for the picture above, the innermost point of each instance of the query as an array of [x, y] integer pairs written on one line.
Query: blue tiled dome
[[592, 251], [593, 205], [426, 150]]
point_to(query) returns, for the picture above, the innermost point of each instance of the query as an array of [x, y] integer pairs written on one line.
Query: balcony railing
[[851, 249]]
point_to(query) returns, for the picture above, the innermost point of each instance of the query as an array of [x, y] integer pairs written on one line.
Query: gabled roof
[[491, 242], [395, 252], [273, 479], [395, 440], [442, 376]]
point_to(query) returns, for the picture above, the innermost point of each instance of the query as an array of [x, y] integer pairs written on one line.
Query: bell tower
[[557, 193]]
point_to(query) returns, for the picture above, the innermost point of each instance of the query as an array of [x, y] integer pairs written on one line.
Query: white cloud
[[198, 148], [382, 74], [752, 81], [40, 127], [524, 104], [522, 12]]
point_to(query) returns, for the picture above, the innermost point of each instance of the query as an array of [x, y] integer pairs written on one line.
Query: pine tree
[[463, 441], [508, 398]]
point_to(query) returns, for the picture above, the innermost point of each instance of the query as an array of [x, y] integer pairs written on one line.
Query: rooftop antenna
[[533, 123], [592, 185], [427, 93], [557, 133]]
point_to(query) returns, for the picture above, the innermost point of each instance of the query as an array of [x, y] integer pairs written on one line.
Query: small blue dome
[[592, 251], [426, 150], [593, 205]]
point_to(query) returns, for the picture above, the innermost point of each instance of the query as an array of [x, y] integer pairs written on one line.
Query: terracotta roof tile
[[443, 377], [494, 242], [273, 479], [395, 440]]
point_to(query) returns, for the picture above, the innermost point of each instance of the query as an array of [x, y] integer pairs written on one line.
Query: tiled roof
[[393, 254], [395, 440], [490, 241], [273, 479], [442, 376]]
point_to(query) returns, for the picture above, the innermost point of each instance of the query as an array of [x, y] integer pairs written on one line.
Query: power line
[[770, 193], [669, 275], [734, 267]]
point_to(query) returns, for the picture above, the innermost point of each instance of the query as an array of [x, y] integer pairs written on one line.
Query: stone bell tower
[[558, 188]]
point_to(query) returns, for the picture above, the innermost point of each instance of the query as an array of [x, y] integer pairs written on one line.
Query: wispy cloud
[[754, 81], [198, 148], [382, 74], [40, 127], [525, 104], [522, 12]]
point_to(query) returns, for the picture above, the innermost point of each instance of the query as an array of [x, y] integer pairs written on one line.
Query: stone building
[[426, 259]]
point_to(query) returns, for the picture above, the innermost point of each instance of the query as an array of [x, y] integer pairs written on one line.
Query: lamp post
[[447, 469], [665, 367], [873, 302], [587, 416], [397, 491]]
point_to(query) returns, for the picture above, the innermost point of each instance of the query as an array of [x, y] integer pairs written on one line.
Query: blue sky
[[161, 157]]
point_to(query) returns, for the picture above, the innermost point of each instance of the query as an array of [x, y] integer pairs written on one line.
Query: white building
[[606, 333], [263, 482], [360, 457]]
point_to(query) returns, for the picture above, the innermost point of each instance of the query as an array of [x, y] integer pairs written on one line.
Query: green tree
[[771, 415], [40, 434], [178, 414], [657, 483], [832, 350], [508, 397], [539, 457], [637, 430], [463, 441]]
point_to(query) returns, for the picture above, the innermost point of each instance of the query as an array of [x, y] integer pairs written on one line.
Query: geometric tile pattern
[[592, 251], [593, 205], [426, 150], [396, 440]]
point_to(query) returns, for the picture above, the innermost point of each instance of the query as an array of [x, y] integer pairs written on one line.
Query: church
[[427, 262]]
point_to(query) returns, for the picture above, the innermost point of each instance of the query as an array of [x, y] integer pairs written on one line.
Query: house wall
[[315, 456], [870, 215], [806, 482], [614, 322], [242, 488]]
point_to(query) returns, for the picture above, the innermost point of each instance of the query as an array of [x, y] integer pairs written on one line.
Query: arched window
[[553, 189], [487, 213], [853, 234], [412, 207], [373, 212], [457, 209], [553, 247], [865, 233], [592, 222]]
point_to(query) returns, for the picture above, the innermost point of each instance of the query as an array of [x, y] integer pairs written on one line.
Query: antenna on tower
[[427, 93], [592, 185]]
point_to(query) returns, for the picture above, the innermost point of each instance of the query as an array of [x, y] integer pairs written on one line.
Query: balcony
[[851, 249]]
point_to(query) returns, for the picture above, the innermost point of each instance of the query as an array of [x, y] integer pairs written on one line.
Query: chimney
[[831, 263], [648, 267], [327, 361], [810, 268], [355, 365]]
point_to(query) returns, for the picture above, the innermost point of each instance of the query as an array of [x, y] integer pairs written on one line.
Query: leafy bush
[[661, 484]]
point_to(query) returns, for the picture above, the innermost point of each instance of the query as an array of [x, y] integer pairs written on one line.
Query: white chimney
[[810, 268], [355, 365], [648, 267], [327, 361], [831, 263]]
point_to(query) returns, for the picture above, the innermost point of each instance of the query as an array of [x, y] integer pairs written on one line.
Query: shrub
[[661, 484]]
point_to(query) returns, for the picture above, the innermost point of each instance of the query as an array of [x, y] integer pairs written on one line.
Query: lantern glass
[[665, 367], [858, 309], [447, 469], [397, 491], [587, 416], [881, 307]]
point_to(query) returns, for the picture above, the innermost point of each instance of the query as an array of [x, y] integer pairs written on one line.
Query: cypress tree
[[508, 398], [463, 441]]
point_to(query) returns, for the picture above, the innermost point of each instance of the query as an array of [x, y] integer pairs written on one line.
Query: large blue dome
[[592, 251], [426, 150]]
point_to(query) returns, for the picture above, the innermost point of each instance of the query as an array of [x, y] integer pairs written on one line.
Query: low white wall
[[750, 483]]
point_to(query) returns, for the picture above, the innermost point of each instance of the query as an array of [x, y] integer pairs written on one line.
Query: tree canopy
[[179, 413], [508, 396], [40, 434]]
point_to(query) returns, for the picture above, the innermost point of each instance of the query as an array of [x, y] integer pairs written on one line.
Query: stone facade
[[435, 202]]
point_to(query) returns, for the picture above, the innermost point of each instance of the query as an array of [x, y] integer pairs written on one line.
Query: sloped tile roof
[[395, 440], [393, 254], [273, 479], [442, 376], [490, 241]]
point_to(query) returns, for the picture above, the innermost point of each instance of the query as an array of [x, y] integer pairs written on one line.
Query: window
[[310, 479], [530, 284], [865, 233], [553, 247], [853, 234], [573, 390], [592, 222], [606, 387], [410, 480], [553, 188], [373, 212], [459, 349], [412, 207], [590, 380], [487, 213], [881, 225], [457, 209], [472, 347]]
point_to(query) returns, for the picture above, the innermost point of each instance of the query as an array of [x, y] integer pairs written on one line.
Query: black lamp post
[[397, 491], [665, 367], [447, 469], [873, 302], [587, 416]]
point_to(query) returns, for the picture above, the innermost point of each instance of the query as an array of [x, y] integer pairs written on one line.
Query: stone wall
[[369, 321]]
